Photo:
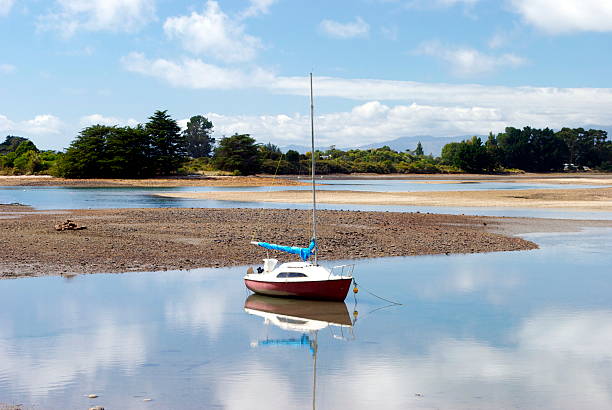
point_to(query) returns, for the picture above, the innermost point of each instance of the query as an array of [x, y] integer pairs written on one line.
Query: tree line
[[160, 148], [153, 149], [19, 155], [532, 149]]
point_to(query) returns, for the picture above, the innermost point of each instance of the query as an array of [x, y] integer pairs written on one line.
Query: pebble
[[92, 396]]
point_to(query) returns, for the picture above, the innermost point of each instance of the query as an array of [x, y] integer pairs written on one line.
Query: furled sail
[[303, 252]]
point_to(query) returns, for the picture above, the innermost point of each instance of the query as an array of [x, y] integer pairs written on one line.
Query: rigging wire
[[259, 217]]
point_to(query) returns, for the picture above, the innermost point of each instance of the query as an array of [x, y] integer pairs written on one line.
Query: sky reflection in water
[[523, 329], [45, 198]]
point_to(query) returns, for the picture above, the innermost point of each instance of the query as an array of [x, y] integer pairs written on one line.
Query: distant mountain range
[[431, 145]]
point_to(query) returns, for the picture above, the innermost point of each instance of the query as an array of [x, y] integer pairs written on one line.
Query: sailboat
[[302, 279]]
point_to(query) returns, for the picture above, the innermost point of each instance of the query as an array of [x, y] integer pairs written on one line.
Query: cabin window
[[291, 321], [291, 275]]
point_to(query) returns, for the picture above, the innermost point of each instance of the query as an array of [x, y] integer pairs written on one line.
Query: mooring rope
[[375, 295]]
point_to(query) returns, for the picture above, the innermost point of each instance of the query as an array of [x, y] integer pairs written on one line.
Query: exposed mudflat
[[122, 240]]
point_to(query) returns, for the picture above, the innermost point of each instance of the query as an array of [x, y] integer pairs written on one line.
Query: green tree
[[24, 147], [28, 162], [270, 151], [515, 149], [472, 156], [495, 153], [293, 156], [11, 143], [450, 152], [167, 143], [548, 151], [86, 155], [198, 137], [127, 153], [237, 153], [419, 150], [571, 137]]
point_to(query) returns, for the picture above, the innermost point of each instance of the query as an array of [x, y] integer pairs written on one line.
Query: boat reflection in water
[[303, 316]]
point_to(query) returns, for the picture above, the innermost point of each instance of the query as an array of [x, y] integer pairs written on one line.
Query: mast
[[315, 346], [312, 158]]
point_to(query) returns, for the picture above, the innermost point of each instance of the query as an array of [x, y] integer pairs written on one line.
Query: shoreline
[[591, 199], [603, 179], [195, 181], [129, 240]]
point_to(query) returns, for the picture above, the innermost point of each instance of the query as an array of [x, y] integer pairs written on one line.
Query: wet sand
[[228, 181], [577, 178], [123, 240], [604, 179], [592, 199]]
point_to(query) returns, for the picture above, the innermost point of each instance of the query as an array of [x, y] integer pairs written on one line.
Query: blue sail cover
[[303, 252], [303, 341]]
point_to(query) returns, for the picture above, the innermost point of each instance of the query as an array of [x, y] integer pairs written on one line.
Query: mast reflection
[[303, 316]]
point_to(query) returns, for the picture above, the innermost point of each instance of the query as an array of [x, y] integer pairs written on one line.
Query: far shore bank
[[592, 199], [195, 181], [124, 240], [590, 178]]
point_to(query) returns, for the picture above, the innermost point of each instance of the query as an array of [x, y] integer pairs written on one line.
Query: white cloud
[[390, 32], [439, 4], [45, 124], [194, 73], [257, 7], [5, 7], [42, 124], [357, 28], [95, 15], [466, 61], [7, 68], [95, 119], [436, 109], [44, 130], [450, 3], [561, 16], [369, 122], [214, 34], [497, 40]]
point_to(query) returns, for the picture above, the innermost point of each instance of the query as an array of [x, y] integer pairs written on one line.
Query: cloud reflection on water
[[560, 359], [36, 366]]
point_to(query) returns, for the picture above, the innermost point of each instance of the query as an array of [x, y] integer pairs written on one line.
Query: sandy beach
[[123, 240], [591, 199]]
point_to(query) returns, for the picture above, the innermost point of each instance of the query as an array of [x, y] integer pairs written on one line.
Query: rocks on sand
[[69, 226]]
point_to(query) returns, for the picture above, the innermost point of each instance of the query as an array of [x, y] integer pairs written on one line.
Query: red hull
[[316, 290]]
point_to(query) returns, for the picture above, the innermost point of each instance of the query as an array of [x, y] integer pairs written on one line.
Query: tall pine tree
[[168, 145], [198, 137]]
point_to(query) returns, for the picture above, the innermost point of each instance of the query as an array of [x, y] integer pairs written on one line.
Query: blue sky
[[383, 68]]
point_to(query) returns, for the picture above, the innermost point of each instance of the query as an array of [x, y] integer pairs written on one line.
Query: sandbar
[[124, 240], [590, 199]]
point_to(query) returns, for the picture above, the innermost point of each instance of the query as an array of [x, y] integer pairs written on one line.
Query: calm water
[[83, 198], [503, 330]]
